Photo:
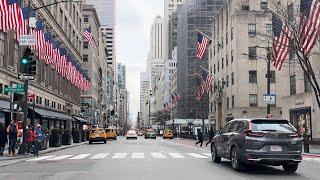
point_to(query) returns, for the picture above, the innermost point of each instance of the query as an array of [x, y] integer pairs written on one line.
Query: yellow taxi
[[97, 135], [167, 134], [111, 133]]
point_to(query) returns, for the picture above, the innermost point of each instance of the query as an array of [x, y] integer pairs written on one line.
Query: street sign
[[27, 40], [14, 88], [26, 77], [269, 99]]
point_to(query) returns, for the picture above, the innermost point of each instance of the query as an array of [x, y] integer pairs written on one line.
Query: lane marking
[[80, 156], [176, 155], [119, 155], [157, 155], [100, 156], [60, 157], [195, 155], [137, 155], [40, 158]]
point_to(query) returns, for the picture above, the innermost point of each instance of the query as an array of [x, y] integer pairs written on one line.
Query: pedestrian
[[211, 135], [38, 139], [12, 131], [200, 138], [29, 138], [3, 138]]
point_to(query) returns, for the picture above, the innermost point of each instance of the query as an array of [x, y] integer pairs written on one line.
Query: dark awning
[[79, 119], [4, 105], [52, 114]]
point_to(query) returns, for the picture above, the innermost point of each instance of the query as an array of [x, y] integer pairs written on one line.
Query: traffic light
[[32, 66], [28, 64]]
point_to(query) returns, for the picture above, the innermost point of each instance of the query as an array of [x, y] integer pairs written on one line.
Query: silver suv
[[258, 141]]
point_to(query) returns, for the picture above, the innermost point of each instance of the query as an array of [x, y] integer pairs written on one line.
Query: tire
[[105, 141], [164, 138], [235, 160], [214, 155], [115, 138], [290, 167], [90, 142]]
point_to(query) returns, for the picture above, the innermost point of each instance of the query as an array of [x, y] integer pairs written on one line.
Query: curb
[[311, 155]]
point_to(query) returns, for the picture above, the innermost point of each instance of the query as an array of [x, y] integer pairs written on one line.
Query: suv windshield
[[272, 126]]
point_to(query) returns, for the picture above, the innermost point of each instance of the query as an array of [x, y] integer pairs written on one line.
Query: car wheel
[[105, 141], [214, 154], [90, 142], [290, 167], [235, 160]]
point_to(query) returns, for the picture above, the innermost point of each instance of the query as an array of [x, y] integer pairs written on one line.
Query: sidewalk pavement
[[6, 157], [314, 149]]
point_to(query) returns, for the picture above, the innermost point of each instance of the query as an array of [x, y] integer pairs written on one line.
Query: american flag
[[200, 89], [280, 44], [309, 24], [23, 28], [87, 34], [10, 14], [207, 80], [202, 44], [4, 7]]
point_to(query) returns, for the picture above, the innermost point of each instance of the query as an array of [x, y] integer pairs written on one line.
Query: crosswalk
[[307, 159], [123, 155]]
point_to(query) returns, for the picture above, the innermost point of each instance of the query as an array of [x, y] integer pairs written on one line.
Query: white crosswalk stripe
[[119, 155], [100, 156], [80, 156], [176, 155], [157, 155], [137, 155], [195, 155], [59, 157], [40, 158]]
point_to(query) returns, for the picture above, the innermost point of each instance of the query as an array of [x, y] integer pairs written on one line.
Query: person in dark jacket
[[3, 138], [13, 134], [211, 135], [200, 138]]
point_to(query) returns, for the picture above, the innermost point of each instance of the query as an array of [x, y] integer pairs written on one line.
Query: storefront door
[[301, 119]]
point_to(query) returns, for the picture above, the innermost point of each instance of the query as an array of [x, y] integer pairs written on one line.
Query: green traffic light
[[24, 61]]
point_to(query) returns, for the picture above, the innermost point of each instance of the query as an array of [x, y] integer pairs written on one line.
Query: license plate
[[275, 148]]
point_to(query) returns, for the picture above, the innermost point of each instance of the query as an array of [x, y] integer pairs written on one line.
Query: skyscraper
[[121, 72], [106, 10]]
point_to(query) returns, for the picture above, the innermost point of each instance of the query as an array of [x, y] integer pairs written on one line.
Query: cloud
[[133, 23]]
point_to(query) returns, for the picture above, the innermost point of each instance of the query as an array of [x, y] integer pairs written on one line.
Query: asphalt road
[[142, 160]]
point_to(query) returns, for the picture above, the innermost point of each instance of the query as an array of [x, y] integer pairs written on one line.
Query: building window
[[293, 85], [211, 107], [86, 18], [252, 53], [272, 77], [85, 45], [252, 77], [232, 78], [269, 30], [85, 58], [263, 4], [231, 56], [253, 100], [291, 12], [307, 83], [252, 29], [2, 47], [214, 69], [227, 81], [245, 7], [218, 66], [232, 101], [231, 34], [222, 63], [227, 102], [226, 38]]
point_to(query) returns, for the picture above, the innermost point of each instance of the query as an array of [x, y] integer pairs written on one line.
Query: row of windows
[[253, 77], [307, 84]]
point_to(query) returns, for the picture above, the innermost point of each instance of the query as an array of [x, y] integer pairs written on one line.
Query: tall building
[[144, 97], [106, 10], [121, 73], [193, 15], [156, 38]]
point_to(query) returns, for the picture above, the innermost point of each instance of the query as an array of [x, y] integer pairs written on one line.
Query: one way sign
[[269, 99]]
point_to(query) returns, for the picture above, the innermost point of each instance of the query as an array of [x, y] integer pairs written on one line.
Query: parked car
[[111, 133], [150, 133], [258, 141], [131, 134], [97, 134], [168, 134]]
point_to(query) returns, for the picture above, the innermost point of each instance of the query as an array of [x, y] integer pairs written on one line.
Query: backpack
[[13, 129]]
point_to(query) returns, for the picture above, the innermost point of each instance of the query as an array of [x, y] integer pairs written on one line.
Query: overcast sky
[[133, 23]]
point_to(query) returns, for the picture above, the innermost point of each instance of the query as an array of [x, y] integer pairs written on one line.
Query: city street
[[142, 159]]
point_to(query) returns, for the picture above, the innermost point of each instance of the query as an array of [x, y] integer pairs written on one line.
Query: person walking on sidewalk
[[13, 135], [3, 138], [211, 135], [29, 138], [38, 139], [200, 138]]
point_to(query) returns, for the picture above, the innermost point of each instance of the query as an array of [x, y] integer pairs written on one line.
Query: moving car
[[111, 133], [168, 134], [258, 141], [97, 134], [132, 134], [150, 133]]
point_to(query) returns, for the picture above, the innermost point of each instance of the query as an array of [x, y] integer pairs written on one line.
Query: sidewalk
[[314, 150], [6, 157]]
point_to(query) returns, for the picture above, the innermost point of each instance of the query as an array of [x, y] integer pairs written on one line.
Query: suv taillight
[[294, 135], [251, 133]]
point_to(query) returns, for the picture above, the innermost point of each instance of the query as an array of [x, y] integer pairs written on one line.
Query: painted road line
[[176, 155], [157, 155], [80, 156], [40, 158], [195, 155], [59, 157], [137, 155], [119, 155], [100, 156]]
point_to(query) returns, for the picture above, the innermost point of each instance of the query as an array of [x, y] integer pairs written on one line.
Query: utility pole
[[268, 77]]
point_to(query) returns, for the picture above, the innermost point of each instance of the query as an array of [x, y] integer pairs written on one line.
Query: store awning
[[5, 105], [79, 119], [52, 114]]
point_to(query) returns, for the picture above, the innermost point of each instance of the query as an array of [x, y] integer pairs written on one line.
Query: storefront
[[78, 124], [302, 120], [5, 115]]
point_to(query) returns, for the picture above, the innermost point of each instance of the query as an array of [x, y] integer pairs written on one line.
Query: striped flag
[[280, 44], [207, 80], [202, 44], [200, 89], [88, 35], [14, 16], [309, 24], [23, 28]]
